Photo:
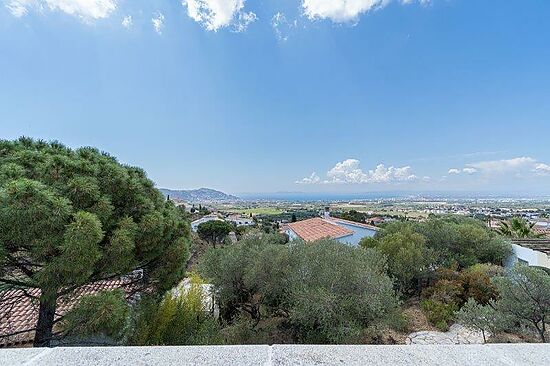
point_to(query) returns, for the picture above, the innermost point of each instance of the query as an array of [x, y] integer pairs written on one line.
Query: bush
[[477, 282], [337, 291], [439, 313], [525, 299], [441, 301], [407, 254], [101, 315], [329, 292], [180, 318], [482, 318], [456, 240]]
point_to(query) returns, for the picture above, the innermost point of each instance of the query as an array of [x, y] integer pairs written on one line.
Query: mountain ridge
[[198, 195]]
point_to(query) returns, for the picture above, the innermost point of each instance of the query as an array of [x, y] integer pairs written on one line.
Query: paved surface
[[283, 355], [457, 334]]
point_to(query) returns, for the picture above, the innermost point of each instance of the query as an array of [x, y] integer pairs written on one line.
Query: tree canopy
[[214, 231], [518, 228], [328, 292], [455, 240], [73, 217]]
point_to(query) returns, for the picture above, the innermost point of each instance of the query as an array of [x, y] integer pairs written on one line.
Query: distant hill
[[199, 195]]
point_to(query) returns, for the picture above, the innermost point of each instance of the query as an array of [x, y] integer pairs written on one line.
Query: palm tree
[[517, 228]]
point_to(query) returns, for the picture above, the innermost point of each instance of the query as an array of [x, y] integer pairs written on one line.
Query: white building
[[195, 224], [241, 220], [533, 252], [344, 231]]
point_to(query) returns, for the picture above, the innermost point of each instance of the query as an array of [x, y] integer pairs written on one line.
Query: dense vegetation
[[69, 218], [72, 217], [324, 292]]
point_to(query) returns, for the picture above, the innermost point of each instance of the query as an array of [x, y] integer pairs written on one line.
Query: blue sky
[[289, 95]]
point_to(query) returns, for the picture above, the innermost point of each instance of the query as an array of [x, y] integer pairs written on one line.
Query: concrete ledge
[[490, 355]]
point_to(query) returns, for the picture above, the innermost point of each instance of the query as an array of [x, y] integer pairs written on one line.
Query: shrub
[[328, 291], [441, 302], [482, 318], [525, 298], [180, 318], [454, 239], [439, 313], [407, 254], [477, 282]]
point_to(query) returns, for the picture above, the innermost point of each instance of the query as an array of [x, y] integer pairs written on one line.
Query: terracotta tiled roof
[[19, 308], [317, 228]]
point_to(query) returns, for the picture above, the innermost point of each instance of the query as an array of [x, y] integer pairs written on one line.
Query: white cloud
[[520, 167], [18, 8], [312, 179], [127, 22], [158, 22], [503, 166], [542, 169], [349, 172], [342, 11], [87, 10], [216, 14], [469, 170], [281, 26]]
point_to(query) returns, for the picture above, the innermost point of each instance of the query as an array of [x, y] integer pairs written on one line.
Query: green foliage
[[453, 288], [214, 231], [441, 301], [439, 313], [518, 228], [477, 317], [477, 282], [456, 240], [525, 298], [180, 318], [407, 254], [329, 292], [102, 314], [337, 291], [353, 215], [72, 217]]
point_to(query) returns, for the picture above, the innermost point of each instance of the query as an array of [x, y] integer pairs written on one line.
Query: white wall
[[528, 256]]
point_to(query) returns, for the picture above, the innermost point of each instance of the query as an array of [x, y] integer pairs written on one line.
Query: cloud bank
[[350, 172], [520, 166], [216, 14], [84, 9], [342, 11]]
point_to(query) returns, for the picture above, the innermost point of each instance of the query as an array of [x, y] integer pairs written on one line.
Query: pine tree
[[74, 217]]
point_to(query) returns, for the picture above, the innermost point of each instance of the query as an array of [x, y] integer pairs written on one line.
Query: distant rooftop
[[318, 228], [541, 245], [19, 308]]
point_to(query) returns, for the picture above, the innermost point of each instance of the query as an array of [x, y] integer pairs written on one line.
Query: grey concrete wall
[[490, 355]]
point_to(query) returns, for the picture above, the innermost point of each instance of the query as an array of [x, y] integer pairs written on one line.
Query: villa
[[344, 231], [241, 220], [195, 224]]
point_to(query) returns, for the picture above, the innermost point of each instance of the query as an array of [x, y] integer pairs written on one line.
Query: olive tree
[[72, 217], [525, 298], [328, 292], [481, 318]]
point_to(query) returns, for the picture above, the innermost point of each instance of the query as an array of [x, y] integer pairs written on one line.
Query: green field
[[383, 211], [257, 211]]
